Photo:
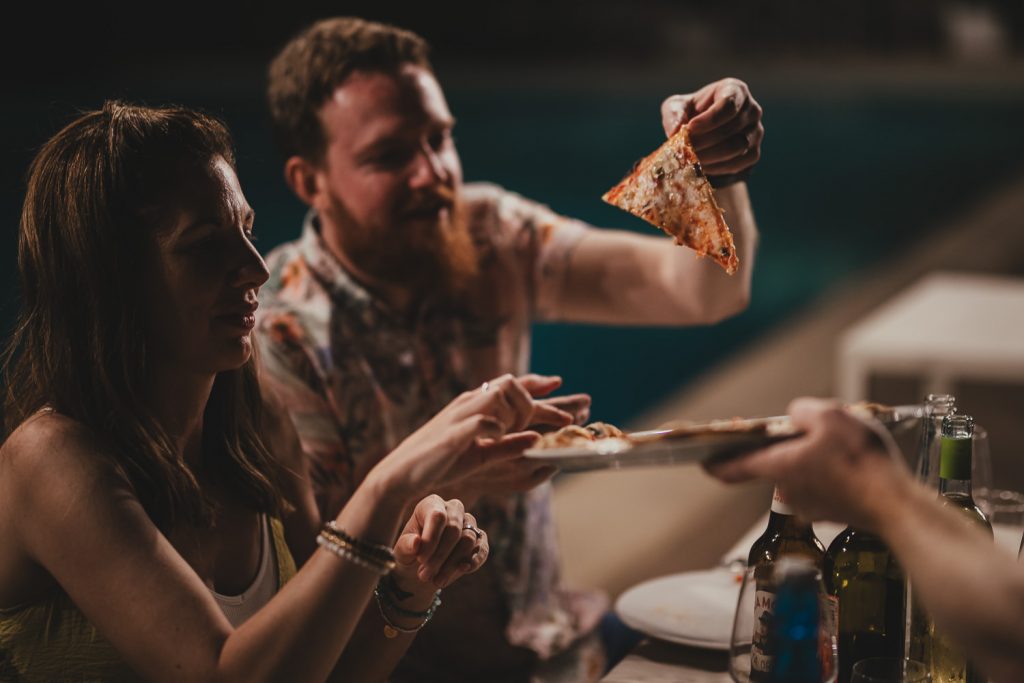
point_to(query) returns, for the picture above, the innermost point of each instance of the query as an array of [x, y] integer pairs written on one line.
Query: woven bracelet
[[391, 629], [386, 591]]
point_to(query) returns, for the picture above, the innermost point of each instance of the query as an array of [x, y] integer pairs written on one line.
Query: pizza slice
[[577, 436], [669, 190]]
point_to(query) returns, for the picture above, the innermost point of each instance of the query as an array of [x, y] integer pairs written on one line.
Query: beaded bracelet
[[391, 630], [346, 551], [381, 553]]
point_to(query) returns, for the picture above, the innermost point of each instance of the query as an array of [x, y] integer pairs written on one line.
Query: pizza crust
[[575, 436]]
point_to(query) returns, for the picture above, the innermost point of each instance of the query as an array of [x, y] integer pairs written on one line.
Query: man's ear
[[301, 176]]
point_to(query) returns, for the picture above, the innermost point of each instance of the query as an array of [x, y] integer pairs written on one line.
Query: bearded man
[[408, 286]]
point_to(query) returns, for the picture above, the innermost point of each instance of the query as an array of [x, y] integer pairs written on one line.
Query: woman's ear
[[300, 175]]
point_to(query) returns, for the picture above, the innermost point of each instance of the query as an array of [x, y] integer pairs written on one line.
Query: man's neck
[[398, 298]]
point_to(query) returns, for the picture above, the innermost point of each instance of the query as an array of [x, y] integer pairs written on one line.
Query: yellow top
[[51, 640]]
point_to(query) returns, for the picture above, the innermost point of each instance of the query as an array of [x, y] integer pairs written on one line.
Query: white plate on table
[[715, 441], [693, 608], [616, 453]]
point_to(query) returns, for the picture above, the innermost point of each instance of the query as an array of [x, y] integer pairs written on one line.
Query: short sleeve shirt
[[358, 379]]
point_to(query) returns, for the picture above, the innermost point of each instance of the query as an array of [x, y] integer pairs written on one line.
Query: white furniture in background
[[945, 327]]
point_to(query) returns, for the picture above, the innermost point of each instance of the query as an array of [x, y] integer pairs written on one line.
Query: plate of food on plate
[[600, 445]]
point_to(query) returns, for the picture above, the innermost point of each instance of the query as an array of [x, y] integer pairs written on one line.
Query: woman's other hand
[[439, 544]]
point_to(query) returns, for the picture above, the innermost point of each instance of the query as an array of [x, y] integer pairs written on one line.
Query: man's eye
[[392, 158]]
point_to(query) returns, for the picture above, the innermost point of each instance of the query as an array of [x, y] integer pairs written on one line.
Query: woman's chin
[[235, 354]]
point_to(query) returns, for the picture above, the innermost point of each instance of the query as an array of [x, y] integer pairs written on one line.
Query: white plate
[[680, 445], [694, 608], [619, 453]]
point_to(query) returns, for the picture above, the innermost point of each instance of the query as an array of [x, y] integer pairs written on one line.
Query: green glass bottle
[[948, 663], [786, 535], [936, 408], [869, 588]]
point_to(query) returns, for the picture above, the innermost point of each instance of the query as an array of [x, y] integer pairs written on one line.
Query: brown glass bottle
[[785, 535]]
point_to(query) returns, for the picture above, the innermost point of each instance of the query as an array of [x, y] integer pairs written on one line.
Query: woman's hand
[[439, 544], [477, 429]]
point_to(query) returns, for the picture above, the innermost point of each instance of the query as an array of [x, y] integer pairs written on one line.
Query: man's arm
[[625, 278], [974, 591], [841, 470]]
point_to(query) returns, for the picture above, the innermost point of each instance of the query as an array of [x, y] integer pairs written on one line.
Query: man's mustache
[[440, 198]]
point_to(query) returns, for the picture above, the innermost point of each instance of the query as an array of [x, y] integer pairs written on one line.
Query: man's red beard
[[429, 257]]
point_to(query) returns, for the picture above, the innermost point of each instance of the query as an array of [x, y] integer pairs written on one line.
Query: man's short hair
[[314, 63]]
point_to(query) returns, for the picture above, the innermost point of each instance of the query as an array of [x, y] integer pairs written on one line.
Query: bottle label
[[828, 634], [779, 503], [955, 458], [762, 658]]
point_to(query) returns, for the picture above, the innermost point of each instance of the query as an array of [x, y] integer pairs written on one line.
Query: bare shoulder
[[49, 453], [49, 466]]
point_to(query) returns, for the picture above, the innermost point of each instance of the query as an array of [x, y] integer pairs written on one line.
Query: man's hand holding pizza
[[725, 127]]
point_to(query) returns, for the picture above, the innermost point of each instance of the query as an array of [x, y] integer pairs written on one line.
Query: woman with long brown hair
[[150, 505]]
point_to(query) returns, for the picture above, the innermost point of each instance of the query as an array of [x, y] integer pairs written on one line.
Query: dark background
[[884, 119]]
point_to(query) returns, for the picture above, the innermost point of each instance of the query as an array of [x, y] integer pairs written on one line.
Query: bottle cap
[[779, 503]]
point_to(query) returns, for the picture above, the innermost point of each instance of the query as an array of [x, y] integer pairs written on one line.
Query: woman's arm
[[76, 516]]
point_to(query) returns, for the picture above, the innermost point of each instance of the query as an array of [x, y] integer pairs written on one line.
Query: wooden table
[[655, 661]]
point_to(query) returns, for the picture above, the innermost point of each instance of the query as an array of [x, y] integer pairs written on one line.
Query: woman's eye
[[198, 244]]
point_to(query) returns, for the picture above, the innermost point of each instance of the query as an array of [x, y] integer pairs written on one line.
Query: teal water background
[[846, 180]]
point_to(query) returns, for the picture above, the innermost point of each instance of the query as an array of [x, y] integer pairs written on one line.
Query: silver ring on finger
[[476, 532], [485, 387]]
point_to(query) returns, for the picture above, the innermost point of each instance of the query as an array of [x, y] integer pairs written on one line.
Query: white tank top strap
[[238, 608]]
